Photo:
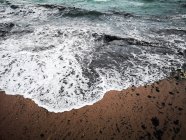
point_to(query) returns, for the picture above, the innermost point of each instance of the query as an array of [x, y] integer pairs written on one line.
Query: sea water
[[65, 54]]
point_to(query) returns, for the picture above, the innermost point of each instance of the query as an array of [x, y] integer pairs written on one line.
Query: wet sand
[[156, 111]]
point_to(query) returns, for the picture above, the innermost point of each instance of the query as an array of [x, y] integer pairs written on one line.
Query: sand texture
[[156, 111]]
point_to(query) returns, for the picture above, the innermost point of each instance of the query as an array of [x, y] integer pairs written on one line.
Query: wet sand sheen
[[157, 111]]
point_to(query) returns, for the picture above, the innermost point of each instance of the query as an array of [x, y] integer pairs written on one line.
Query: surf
[[64, 57]]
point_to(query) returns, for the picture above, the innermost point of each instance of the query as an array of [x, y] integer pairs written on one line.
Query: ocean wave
[[70, 61], [64, 68], [79, 12]]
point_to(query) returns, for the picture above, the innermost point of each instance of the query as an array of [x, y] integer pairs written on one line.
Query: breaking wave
[[66, 57]]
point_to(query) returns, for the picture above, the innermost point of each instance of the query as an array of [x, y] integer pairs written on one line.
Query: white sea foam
[[52, 76], [68, 65]]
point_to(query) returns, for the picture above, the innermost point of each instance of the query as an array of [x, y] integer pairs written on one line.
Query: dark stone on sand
[[171, 93], [180, 109], [69, 133], [176, 130], [163, 104], [137, 94], [155, 121], [158, 134], [149, 96], [176, 122], [143, 127], [41, 135], [157, 89], [117, 128]]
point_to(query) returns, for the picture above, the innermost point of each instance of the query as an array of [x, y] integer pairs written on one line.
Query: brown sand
[[153, 112]]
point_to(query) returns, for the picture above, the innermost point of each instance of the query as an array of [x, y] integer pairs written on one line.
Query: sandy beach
[[66, 54], [156, 111]]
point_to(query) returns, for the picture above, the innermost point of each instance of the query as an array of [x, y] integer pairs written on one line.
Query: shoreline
[[50, 110], [156, 111]]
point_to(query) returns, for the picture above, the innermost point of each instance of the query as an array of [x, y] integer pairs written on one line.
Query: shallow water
[[67, 54], [148, 7]]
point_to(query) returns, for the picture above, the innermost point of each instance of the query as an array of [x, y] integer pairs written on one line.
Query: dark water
[[67, 54]]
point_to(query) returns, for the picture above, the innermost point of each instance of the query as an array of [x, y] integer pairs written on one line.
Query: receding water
[[67, 54]]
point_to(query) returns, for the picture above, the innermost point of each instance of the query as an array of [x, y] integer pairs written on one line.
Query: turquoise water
[[149, 7]]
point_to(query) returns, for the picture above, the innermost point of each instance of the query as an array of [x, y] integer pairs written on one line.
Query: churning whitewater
[[65, 57]]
